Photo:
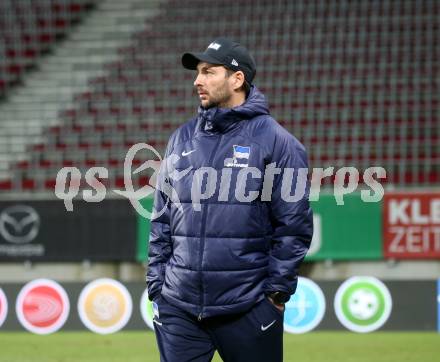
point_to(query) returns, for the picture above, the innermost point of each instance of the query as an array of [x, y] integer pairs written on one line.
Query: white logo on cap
[[234, 62], [214, 45]]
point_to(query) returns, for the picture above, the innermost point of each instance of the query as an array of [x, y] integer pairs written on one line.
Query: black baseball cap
[[222, 51]]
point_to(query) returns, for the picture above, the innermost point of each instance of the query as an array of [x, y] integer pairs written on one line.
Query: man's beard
[[219, 98]]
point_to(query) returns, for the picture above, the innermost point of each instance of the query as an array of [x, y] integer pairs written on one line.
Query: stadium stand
[[358, 84], [28, 29]]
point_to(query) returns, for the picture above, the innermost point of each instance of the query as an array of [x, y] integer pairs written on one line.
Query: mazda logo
[[19, 224]]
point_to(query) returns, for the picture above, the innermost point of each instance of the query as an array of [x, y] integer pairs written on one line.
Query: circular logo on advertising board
[[305, 309], [363, 304], [3, 307], [19, 224], [42, 306], [147, 310], [105, 306]]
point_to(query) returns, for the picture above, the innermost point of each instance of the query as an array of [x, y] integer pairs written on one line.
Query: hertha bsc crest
[[240, 156]]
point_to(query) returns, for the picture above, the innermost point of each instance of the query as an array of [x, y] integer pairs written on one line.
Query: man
[[223, 262]]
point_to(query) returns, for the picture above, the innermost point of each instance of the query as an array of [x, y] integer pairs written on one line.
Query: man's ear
[[238, 79]]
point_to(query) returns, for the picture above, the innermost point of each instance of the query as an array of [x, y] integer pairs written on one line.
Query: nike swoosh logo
[[184, 153], [264, 328], [157, 322]]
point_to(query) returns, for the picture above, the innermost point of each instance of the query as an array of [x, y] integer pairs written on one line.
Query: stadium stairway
[[60, 75]]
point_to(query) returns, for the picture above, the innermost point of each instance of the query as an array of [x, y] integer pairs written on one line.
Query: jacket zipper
[[202, 237]]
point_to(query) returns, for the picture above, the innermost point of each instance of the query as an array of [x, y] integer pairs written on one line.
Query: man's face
[[213, 85]]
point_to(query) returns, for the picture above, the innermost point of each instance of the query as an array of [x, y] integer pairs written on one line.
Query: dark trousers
[[254, 336]]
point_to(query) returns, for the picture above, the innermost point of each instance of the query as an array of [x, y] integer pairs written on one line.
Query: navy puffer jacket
[[221, 254]]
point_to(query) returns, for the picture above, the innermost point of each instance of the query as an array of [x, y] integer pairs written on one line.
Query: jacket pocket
[[274, 308]]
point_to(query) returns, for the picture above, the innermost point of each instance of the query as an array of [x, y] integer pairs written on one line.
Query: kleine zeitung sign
[[411, 225]]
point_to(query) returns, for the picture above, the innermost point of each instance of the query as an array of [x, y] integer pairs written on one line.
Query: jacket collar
[[221, 120]]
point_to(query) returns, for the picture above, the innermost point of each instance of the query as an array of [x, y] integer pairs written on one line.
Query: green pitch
[[141, 347]]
